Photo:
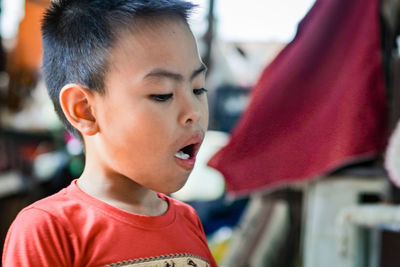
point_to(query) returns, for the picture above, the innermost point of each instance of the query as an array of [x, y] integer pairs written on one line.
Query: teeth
[[182, 155]]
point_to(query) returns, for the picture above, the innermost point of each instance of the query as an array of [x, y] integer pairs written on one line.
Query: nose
[[190, 109]]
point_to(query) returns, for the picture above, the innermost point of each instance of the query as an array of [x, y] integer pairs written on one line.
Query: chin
[[173, 188]]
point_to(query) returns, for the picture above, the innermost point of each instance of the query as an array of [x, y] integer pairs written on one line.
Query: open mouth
[[186, 152]]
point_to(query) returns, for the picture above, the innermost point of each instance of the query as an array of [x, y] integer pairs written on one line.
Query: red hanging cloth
[[319, 105]]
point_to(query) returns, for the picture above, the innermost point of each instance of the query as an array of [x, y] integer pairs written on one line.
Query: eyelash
[[200, 91], [166, 97], [161, 98]]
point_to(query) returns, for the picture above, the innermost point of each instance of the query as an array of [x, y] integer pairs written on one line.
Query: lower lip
[[187, 164]]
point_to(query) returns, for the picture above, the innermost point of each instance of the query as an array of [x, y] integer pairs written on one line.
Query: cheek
[[148, 128], [205, 114], [136, 137]]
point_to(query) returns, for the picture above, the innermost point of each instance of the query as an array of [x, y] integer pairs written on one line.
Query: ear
[[77, 103]]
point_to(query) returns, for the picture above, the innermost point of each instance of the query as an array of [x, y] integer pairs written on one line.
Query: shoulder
[[48, 214], [36, 225], [44, 233], [31, 216], [37, 238], [63, 205], [43, 218]]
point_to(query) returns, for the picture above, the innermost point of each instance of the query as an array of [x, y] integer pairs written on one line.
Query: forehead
[[165, 42]]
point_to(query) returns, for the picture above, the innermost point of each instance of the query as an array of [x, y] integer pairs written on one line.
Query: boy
[[125, 77]]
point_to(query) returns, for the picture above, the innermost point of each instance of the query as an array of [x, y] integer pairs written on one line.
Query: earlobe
[[77, 104]]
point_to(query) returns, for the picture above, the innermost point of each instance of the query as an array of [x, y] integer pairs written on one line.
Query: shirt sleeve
[[36, 238]]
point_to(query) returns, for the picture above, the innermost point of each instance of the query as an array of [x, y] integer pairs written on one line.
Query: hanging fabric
[[319, 105]]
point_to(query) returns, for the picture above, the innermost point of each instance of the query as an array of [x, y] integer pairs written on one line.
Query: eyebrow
[[162, 73]]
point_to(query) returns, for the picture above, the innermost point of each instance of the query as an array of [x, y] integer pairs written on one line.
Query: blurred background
[[301, 162]]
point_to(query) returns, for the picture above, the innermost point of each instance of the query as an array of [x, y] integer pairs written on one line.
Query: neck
[[120, 191]]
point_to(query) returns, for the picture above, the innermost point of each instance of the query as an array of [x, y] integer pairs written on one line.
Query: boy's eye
[[200, 91], [161, 98]]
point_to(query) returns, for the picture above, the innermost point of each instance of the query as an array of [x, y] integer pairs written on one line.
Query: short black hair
[[77, 36]]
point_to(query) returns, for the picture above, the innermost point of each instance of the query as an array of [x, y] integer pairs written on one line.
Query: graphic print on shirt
[[173, 260]]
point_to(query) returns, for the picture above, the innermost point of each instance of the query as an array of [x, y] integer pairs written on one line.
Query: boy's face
[[154, 106]]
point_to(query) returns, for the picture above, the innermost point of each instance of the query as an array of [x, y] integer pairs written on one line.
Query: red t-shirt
[[71, 228]]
